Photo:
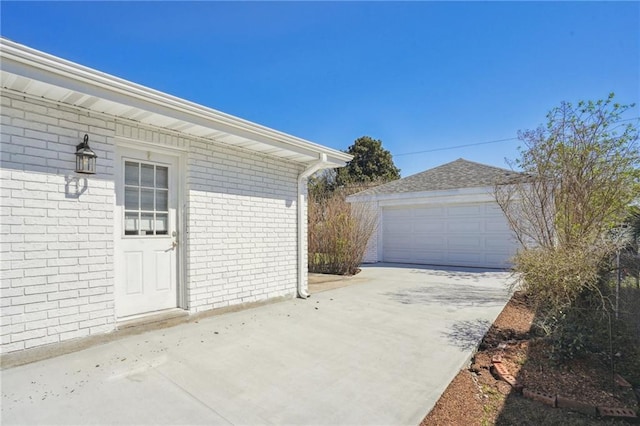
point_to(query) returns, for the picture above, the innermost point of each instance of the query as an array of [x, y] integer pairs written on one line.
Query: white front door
[[145, 232]]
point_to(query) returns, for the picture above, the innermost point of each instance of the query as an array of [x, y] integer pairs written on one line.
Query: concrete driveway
[[379, 351]]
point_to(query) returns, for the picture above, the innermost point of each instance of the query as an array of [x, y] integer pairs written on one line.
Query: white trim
[[183, 285], [462, 195]]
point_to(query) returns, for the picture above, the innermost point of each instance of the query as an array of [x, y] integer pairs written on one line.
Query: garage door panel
[[465, 243], [468, 258], [426, 227], [501, 260], [427, 213], [428, 256], [498, 242], [401, 227], [395, 242], [464, 227], [431, 244], [397, 214], [495, 225], [456, 235], [406, 256], [465, 210]]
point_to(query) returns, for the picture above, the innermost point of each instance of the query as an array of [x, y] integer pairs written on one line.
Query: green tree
[[371, 163]]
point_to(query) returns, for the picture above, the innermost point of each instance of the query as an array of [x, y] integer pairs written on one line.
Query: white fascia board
[[336, 161], [461, 195], [30, 63]]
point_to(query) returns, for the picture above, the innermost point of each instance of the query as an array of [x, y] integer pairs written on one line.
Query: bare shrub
[[580, 173], [338, 232]]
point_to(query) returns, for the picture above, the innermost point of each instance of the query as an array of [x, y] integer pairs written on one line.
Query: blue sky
[[421, 76]]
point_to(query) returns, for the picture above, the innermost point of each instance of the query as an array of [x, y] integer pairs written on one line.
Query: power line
[[628, 119], [456, 147], [446, 148]]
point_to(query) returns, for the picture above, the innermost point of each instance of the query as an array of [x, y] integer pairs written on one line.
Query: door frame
[[181, 223]]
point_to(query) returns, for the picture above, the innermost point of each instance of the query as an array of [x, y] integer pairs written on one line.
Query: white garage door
[[453, 235]]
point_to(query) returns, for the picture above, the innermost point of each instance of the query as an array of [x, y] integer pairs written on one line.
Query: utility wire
[[446, 148], [456, 147]]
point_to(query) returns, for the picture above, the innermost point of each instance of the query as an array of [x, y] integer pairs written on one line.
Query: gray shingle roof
[[457, 174]]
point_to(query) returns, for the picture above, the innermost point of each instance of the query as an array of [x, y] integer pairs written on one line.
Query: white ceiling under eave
[[28, 71]]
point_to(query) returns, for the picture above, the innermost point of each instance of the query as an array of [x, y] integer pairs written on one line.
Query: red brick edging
[[558, 400]]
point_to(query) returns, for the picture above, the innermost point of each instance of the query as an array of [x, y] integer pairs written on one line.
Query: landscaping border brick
[[574, 405], [620, 381], [560, 401], [617, 413], [545, 398], [504, 374]]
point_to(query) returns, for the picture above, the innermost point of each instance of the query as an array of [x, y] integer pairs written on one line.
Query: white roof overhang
[[29, 71]]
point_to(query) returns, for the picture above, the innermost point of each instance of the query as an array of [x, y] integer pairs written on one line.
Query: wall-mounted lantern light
[[85, 158]]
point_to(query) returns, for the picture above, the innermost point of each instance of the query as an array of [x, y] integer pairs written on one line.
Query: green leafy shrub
[[565, 285], [554, 277]]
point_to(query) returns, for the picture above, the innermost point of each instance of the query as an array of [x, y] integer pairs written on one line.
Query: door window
[[146, 199]]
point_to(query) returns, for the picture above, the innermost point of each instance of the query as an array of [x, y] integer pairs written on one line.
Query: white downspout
[[302, 183]]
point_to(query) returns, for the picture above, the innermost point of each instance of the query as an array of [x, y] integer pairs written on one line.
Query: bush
[[554, 277], [574, 293], [338, 232], [566, 286]]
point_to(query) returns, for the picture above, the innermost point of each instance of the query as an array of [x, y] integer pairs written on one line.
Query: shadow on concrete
[[462, 274], [466, 335], [453, 295], [444, 268]]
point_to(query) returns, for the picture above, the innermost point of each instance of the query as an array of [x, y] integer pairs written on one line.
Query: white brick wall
[[56, 266], [241, 227], [56, 248]]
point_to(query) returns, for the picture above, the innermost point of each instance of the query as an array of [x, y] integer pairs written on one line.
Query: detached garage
[[443, 216]]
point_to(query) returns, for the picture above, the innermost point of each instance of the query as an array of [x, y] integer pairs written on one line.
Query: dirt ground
[[476, 397], [324, 282]]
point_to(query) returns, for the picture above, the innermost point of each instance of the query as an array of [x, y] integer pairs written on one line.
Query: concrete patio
[[378, 351]]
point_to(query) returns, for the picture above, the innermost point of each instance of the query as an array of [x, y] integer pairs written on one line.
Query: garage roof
[[457, 174], [34, 73]]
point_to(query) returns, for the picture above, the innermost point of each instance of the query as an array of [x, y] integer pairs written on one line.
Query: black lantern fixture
[[85, 158]]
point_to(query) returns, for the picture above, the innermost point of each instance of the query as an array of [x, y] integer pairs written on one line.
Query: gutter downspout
[[302, 183]]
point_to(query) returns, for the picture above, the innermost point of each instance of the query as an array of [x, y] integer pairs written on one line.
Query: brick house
[[189, 209]]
